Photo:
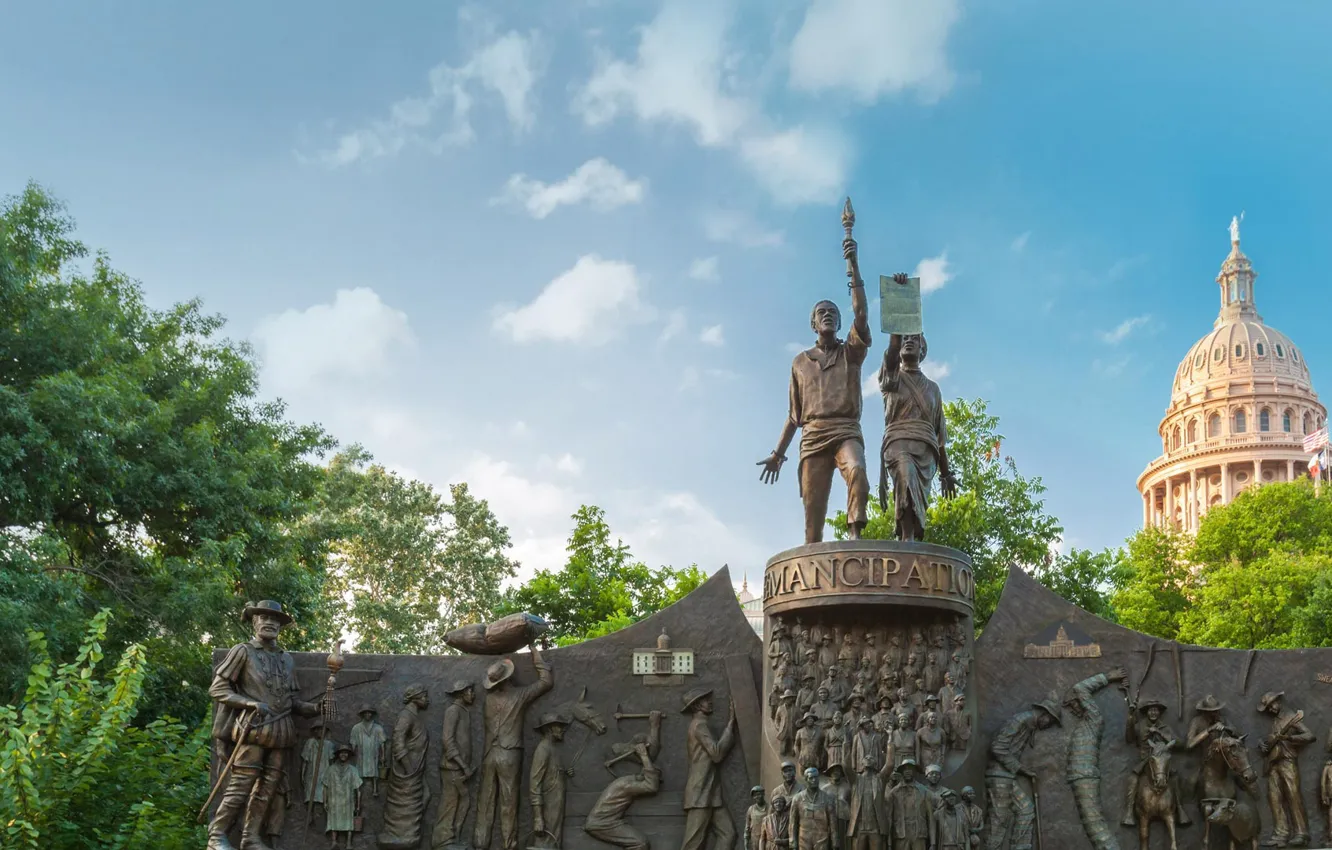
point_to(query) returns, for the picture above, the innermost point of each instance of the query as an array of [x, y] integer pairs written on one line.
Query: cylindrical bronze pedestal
[[886, 628]]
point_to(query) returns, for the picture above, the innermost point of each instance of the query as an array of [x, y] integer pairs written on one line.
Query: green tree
[[405, 565], [1262, 604], [997, 517], [75, 774], [601, 587], [1286, 516], [1084, 578], [1153, 582], [138, 469]]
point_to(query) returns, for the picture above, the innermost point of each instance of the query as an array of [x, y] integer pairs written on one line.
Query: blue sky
[[563, 251]]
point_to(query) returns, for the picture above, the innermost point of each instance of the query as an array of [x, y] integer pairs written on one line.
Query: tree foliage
[[1084, 578], [601, 587], [138, 469], [75, 774], [406, 566], [997, 517], [1152, 582]]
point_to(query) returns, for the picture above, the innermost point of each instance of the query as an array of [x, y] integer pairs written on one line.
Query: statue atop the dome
[[1234, 228], [825, 404]]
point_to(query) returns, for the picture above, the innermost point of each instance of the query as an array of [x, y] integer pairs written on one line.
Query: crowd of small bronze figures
[[907, 684]]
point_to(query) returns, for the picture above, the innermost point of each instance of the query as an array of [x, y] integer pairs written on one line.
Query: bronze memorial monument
[[868, 716]]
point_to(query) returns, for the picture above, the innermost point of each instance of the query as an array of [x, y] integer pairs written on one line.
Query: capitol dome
[[1240, 407]]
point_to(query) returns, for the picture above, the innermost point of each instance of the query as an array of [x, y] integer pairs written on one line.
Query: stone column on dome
[[1146, 510], [1170, 501], [1290, 470], [1257, 472], [1192, 518], [1225, 483]]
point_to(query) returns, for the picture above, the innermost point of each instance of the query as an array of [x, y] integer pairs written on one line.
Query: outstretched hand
[[948, 484], [772, 467]]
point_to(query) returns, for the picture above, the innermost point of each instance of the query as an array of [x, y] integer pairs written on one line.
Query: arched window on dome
[[1239, 351], [1232, 292], [1258, 349], [1174, 438], [1193, 430], [1240, 423], [1285, 420], [1307, 424], [1281, 352], [1214, 426], [1264, 420]]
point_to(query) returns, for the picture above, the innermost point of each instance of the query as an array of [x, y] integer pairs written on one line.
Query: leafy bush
[[74, 772]]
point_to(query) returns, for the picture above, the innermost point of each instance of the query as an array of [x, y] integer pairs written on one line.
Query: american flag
[[1315, 441]]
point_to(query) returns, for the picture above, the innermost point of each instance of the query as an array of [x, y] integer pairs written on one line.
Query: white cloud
[[1110, 368], [565, 463], [871, 48], [675, 325], [587, 304], [798, 165], [712, 335], [1020, 242], [738, 228], [933, 272], [536, 512], [936, 371], [1123, 329], [678, 528], [596, 182], [870, 385], [795, 347], [676, 76], [684, 73], [506, 68], [351, 338], [704, 268]]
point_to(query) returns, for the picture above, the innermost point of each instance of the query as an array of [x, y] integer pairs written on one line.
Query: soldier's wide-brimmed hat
[[788, 762], [265, 606], [929, 698], [1050, 707], [1268, 698], [1209, 703], [906, 761], [343, 748], [809, 715], [808, 677], [1143, 705], [366, 708], [694, 696], [499, 672], [865, 718], [788, 694], [553, 719], [933, 768], [757, 789], [857, 693], [414, 691], [458, 687]]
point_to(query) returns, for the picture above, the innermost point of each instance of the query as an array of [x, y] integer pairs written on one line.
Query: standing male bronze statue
[[826, 403], [502, 758], [255, 692]]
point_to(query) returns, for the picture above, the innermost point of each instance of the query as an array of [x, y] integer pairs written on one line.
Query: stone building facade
[[1240, 407]]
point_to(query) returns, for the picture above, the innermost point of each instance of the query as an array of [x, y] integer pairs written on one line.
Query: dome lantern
[[1236, 282]]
